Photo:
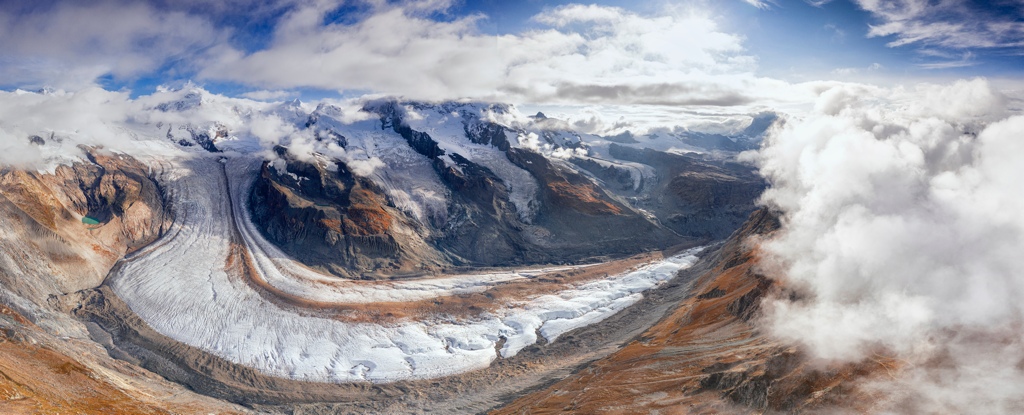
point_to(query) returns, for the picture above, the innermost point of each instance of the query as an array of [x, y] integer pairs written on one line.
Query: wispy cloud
[[848, 71], [957, 24], [761, 4], [966, 59], [265, 95], [838, 34]]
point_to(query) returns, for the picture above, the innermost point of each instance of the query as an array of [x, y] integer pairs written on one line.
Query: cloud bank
[[39, 131], [587, 53], [71, 45], [568, 54], [903, 235], [61, 123]]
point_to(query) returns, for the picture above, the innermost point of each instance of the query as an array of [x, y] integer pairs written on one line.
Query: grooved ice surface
[[182, 287]]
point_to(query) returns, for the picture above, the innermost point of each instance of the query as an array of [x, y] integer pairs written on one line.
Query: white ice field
[[183, 287]]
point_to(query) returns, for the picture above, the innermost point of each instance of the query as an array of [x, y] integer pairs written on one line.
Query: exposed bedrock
[[696, 195], [63, 231], [323, 214], [584, 219]]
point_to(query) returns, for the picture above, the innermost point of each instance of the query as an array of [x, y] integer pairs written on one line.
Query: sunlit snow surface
[[183, 287]]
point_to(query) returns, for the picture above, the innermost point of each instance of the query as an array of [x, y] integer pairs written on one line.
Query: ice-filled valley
[[187, 287]]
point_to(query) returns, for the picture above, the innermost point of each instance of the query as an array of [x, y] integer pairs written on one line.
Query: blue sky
[[322, 48], [835, 35]]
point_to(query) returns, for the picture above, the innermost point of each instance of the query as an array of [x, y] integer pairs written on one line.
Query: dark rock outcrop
[[309, 212], [696, 195], [331, 218]]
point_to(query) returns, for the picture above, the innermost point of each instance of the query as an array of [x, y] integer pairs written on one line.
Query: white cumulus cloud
[[902, 234], [581, 53], [69, 45]]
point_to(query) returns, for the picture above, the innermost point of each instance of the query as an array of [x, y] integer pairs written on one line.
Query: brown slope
[[48, 365], [49, 249], [37, 377], [337, 222], [707, 356]]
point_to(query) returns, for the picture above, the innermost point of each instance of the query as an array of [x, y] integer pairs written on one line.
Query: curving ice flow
[[287, 275], [187, 287]]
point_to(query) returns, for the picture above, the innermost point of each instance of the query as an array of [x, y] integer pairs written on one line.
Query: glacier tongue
[[188, 287]]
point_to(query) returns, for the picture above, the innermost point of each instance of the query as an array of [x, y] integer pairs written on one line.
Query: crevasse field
[[186, 286]]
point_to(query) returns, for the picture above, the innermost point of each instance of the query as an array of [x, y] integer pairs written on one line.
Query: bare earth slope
[[49, 362], [707, 356]]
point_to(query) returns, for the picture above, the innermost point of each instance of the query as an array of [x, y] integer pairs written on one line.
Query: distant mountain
[[454, 187], [204, 238]]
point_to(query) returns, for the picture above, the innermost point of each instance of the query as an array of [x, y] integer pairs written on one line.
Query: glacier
[[189, 286]]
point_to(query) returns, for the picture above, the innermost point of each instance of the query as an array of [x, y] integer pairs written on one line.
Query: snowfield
[[189, 286]]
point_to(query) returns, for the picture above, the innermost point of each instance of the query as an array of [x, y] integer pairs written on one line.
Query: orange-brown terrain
[[63, 366], [46, 210], [338, 222], [581, 198], [708, 356], [38, 379], [705, 355], [48, 363]]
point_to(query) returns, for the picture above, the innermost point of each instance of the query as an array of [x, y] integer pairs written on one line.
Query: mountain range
[[292, 257]]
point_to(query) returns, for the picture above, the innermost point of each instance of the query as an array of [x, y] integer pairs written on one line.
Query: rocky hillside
[[66, 229], [63, 232], [708, 356], [483, 194], [120, 276]]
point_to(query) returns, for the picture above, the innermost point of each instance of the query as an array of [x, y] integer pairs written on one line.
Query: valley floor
[[215, 307]]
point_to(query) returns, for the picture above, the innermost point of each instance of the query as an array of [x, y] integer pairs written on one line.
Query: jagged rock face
[[565, 188], [47, 248], [695, 195], [575, 217], [583, 218], [197, 137], [326, 216], [487, 133], [617, 179]]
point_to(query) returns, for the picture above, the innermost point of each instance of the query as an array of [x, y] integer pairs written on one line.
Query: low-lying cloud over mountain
[[374, 139], [902, 237]]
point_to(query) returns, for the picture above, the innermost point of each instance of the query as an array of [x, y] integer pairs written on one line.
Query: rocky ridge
[[573, 209], [707, 355]]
